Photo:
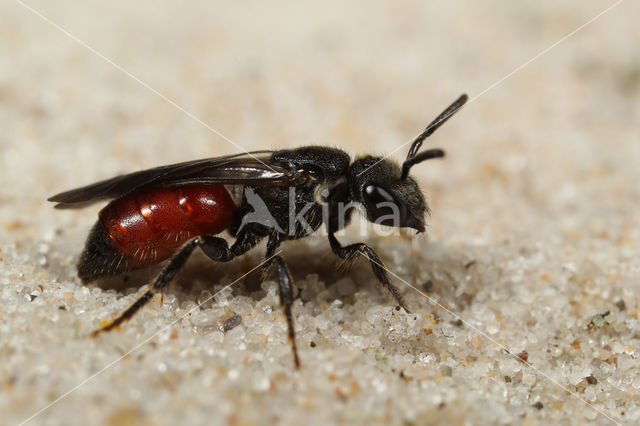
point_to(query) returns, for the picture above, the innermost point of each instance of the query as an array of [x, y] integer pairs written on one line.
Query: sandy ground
[[534, 233]]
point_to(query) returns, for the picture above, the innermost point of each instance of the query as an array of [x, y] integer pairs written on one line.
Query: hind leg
[[215, 247], [167, 274]]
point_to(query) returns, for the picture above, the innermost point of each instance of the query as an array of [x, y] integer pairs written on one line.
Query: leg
[[167, 274], [350, 252], [285, 288], [286, 300], [218, 249], [215, 247]]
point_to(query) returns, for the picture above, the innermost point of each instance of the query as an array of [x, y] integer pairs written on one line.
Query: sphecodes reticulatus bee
[[167, 212]]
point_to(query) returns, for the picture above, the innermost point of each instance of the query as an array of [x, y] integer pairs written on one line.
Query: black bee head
[[384, 197], [385, 192]]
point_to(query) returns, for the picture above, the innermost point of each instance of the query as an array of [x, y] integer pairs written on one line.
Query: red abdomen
[[146, 227]]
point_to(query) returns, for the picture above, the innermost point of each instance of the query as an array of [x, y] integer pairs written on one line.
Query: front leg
[[350, 253]]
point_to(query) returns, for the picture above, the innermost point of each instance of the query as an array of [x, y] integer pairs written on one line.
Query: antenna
[[434, 125]]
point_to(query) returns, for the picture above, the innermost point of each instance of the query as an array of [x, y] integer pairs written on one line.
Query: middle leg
[[285, 288]]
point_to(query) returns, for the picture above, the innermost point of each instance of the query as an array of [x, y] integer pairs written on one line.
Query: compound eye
[[380, 203], [376, 195]]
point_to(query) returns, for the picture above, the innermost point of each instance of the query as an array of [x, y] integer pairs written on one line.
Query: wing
[[254, 168]]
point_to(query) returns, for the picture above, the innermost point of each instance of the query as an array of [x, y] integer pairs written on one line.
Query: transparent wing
[[255, 168]]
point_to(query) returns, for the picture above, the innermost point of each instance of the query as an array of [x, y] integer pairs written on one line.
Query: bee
[[165, 213]]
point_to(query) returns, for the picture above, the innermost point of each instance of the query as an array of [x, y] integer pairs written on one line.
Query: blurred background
[[363, 77], [545, 155]]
